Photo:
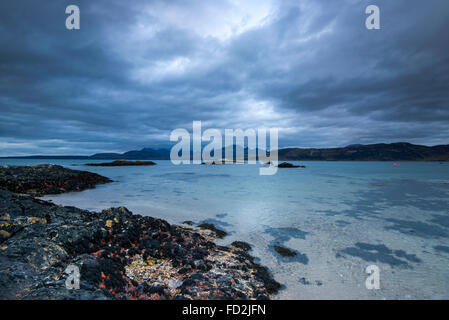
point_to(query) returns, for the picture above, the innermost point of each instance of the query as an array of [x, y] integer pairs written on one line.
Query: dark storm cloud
[[138, 69]]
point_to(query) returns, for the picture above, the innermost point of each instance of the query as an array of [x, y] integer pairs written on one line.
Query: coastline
[[120, 255]]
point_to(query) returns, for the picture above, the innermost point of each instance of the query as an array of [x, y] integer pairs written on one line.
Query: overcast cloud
[[138, 69]]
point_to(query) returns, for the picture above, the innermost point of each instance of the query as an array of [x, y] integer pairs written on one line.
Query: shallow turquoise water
[[340, 217]]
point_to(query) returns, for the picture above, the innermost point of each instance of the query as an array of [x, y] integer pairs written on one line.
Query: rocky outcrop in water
[[289, 165], [122, 163], [47, 179], [285, 252]]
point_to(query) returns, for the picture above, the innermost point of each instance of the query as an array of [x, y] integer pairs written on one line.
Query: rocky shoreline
[[44, 179], [120, 255]]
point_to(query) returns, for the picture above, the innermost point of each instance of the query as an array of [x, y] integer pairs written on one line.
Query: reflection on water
[[338, 217]]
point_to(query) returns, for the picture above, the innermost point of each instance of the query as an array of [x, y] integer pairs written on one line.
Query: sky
[[136, 70]]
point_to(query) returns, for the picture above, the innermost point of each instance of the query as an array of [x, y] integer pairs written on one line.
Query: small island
[[122, 163], [42, 179], [289, 165]]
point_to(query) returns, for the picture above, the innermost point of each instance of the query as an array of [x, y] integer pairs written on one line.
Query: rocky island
[[43, 179], [122, 163], [289, 165], [120, 255]]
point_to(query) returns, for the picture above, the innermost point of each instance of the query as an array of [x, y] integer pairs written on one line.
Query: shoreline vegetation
[[120, 255]]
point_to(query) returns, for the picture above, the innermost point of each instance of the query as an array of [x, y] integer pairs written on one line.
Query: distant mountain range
[[143, 154], [400, 151]]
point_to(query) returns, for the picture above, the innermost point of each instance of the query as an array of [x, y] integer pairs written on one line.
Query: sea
[[360, 230]]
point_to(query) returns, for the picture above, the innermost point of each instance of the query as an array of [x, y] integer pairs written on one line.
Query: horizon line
[[168, 148]]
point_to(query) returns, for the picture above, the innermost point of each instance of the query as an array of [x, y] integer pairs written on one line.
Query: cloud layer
[[138, 69]]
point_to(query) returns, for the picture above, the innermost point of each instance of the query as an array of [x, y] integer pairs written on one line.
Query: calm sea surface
[[340, 217]]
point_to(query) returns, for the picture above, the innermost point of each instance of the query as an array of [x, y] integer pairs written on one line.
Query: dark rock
[[209, 226], [289, 165], [271, 285], [120, 163], [242, 245], [47, 179], [285, 252]]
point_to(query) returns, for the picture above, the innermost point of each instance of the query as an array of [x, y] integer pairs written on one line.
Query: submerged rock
[[285, 252]]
